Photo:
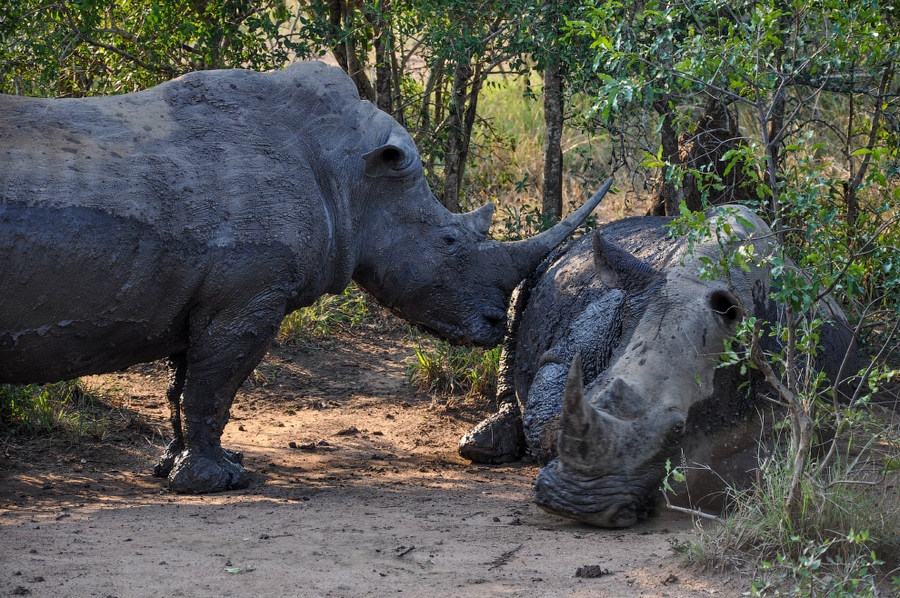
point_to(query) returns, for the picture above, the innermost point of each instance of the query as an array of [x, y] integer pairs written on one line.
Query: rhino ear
[[619, 269], [389, 160], [480, 220]]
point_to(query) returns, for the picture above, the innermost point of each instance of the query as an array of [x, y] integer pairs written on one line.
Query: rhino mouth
[[485, 330], [612, 501]]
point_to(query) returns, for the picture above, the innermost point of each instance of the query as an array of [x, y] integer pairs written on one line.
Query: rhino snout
[[485, 327], [606, 501], [495, 317]]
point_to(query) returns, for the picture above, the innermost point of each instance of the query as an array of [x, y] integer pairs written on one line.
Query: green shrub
[[821, 517]]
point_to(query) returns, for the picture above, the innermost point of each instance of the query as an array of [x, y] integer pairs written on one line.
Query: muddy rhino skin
[[609, 369], [185, 221]]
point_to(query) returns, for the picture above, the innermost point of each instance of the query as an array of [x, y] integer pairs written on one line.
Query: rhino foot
[[167, 461], [201, 474], [498, 439]]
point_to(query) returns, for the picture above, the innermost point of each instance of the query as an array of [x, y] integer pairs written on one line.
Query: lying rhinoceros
[[185, 221], [612, 354]]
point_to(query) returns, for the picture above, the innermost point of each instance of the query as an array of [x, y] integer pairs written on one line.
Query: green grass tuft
[[447, 370], [64, 409], [843, 543], [328, 316]]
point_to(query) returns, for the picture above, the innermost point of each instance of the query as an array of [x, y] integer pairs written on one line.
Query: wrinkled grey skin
[[185, 221], [610, 369]]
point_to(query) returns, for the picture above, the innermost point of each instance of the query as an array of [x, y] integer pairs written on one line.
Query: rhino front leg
[[177, 372], [223, 357], [498, 439]]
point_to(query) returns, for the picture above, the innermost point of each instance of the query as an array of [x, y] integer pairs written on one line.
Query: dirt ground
[[356, 490]]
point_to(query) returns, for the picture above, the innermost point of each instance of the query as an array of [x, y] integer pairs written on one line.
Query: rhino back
[[570, 285], [219, 155], [570, 311]]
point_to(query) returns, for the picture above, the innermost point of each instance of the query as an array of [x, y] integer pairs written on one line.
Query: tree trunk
[[454, 155], [343, 46], [857, 175], [551, 206], [670, 194], [336, 9], [775, 128], [469, 120], [384, 73], [396, 73], [716, 134]]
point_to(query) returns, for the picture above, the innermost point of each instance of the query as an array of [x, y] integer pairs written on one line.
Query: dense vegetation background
[[792, 107]]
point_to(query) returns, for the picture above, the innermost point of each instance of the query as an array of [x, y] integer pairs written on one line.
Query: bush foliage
[[792, 107]]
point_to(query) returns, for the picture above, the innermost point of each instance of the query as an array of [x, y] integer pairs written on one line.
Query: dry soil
[[356, 490]]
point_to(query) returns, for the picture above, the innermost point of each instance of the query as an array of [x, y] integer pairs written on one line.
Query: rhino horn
[[528, 254], [619, 269], [585, 436]]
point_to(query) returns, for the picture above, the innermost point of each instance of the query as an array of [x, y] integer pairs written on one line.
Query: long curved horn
[[529, 253]]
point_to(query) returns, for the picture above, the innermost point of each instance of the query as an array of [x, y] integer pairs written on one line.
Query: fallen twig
[[504, 558]]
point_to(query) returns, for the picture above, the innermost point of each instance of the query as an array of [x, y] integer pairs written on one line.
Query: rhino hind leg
[[177, 370], [498, 439]]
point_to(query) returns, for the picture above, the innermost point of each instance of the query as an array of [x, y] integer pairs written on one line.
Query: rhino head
[[617, 431], [437, 269]]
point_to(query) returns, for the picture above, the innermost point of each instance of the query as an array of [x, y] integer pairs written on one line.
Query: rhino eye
[[725, 306], [449, 238]]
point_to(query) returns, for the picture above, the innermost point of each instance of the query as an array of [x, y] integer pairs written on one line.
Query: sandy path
[[356, 490]]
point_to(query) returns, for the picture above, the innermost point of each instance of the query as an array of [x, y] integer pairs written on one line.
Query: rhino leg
[[498, 439], [177, 370], [177, 373], [222, 356]]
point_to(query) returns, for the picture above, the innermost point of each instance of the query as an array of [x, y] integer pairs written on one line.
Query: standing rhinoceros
[[612, 354], [185, 221]]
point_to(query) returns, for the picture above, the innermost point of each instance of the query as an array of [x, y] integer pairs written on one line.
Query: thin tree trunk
[[858, 174], [469, 121], [551, 206], [399, 112], [432, 86], [669, 194], [455, 151], [343, 46], [336, 9], [384, 73], [775, 128]]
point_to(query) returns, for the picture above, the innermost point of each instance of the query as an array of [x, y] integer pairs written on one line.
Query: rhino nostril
[[495, 316]]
